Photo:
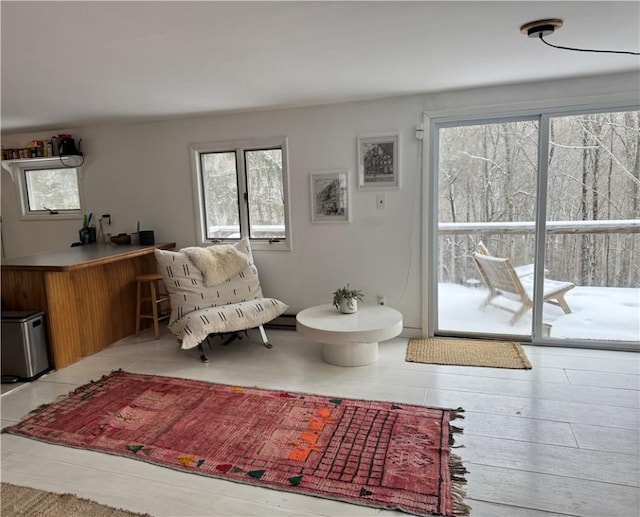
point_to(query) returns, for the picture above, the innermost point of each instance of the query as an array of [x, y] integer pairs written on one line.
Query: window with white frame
[[48, 188], [242, 189]]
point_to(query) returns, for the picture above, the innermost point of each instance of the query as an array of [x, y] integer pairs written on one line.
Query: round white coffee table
[[349, 339]]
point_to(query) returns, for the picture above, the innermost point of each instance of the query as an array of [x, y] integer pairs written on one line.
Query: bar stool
[[155, 298]]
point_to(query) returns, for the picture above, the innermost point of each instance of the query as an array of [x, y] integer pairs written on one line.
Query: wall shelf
[[72, 160]]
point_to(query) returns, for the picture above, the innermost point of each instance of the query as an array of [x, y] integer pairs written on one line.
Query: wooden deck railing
[[553, 227], [593, 253]]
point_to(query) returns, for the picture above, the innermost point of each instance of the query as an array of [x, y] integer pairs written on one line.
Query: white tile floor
[[561, 439]]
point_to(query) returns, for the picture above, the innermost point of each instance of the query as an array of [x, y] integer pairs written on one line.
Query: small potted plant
[[346, 299]]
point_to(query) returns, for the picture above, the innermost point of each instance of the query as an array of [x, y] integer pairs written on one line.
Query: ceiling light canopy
[[542, 28]]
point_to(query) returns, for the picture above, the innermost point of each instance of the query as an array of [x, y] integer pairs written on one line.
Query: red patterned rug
[[379, 454]]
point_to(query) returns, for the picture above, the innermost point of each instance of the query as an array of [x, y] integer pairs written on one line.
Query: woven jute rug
[[467, 352], [22, 501], [380, 454]]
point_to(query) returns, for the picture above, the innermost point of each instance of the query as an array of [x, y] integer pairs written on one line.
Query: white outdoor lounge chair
[[521, 271], [501, 279]]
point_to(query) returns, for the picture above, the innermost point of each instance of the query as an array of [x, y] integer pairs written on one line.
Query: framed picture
[[379, 161], [330, 197]]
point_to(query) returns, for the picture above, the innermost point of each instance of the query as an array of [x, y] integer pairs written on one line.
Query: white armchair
[[199, 309]]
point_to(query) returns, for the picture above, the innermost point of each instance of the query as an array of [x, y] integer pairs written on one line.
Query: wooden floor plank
[[484, 509], [549, 493], [600, 438], [519, 428], [625, 381], [625, 364], [533, 389], [536, 408], [583, 464]]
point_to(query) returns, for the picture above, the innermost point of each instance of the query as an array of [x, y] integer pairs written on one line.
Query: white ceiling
[[67, 64]]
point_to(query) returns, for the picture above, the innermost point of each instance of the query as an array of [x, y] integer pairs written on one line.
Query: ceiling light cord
[[588, 49]]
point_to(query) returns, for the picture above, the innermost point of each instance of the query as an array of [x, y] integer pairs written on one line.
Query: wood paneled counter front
[[88, 294]]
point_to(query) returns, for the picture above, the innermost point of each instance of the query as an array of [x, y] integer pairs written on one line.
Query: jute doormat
[[468, 352], [373, 453], [22, 501]]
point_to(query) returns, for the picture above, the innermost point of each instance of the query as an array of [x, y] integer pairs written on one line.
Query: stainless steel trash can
[[24, 345]]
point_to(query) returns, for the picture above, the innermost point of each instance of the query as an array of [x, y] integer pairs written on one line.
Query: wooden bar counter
[[88, 294]]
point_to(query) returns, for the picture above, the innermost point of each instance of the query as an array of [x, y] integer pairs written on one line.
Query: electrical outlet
[[382, 300], [381, 201]]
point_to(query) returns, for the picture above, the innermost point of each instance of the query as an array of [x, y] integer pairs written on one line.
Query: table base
[[350, 354]]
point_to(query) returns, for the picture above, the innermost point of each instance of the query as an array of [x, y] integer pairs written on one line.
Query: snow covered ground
[[599, 313]]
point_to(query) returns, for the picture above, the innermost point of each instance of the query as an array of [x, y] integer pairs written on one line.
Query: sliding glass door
[[560, 188], [593, 214], [486, 193]]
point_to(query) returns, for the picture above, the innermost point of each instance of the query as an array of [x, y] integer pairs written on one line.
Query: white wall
[[141, 172]]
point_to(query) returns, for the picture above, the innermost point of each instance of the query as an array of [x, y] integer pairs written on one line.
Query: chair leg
[[138, 303], [231, 338], [263, 335], [203, 357], [154, 309], [488, 299], [523, 309], [563, 303]]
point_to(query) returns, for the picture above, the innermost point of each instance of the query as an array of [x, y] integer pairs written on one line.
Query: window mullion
[[541, 225], [243, 194]]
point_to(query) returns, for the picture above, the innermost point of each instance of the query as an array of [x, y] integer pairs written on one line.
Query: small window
[[242, 188], [220, 195], [52, 189], [265, 190], [48, 190]]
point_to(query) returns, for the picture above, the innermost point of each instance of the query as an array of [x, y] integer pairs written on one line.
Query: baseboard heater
[[283, 322]]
